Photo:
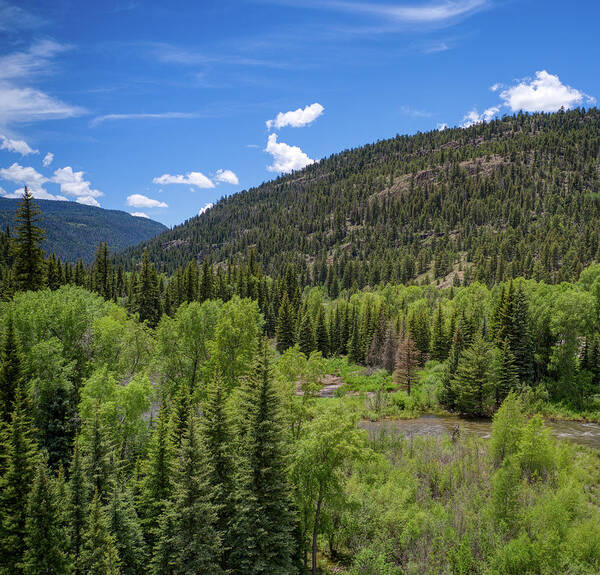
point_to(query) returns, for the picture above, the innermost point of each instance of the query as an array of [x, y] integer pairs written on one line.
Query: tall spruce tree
[[189, 534], [262, 527], [28, 255], [21, 456], [306, 338], [99, 555], [78, 496], [156, 483], [285, 324], [11, 370], [126, 527], [321, 333], [46, 549], [217, 440], [147, 297], [407, 363]]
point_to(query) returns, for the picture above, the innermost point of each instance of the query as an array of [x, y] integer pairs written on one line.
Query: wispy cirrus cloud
[[437, 13], [146, 116], [20, 100]]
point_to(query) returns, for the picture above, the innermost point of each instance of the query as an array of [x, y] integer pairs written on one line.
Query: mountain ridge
[[73, 231], [521, 190]]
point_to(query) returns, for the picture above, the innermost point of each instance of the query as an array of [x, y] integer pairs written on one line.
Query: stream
[[577, 431]]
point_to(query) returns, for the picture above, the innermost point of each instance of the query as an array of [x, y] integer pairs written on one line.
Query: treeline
[[516, 197], [520, 335]]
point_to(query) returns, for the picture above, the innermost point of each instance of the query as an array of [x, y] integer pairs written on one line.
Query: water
[[576, 431]]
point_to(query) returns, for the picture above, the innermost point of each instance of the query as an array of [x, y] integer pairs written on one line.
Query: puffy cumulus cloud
[[16, 146], [141, 201], [88, 201], [140, 215], [25, 175], [227, 176], [286, 158], [296, 118], [39, 194], [196, 179], [474, 117], [73, 184], [205, 208], [544, 93], [48, 159]]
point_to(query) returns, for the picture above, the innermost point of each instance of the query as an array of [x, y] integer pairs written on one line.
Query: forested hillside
[[73, 231], [518, 196]]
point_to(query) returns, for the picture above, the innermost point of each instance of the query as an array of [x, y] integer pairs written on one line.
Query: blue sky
[[161, 108]]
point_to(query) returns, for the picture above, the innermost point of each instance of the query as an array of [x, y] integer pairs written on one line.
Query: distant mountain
[[73, 231], [519, 196]]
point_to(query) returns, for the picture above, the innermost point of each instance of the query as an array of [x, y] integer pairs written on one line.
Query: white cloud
[[72, 184], [544, 93], [141, 201], [88, 201], [40, 194], [28, 105], [19, 103], [205, 208], [48, 159], [227, 176], [438, 12], [442, 126], [143, 116], [286, 158], [197, 179], [24, 175], [296, 118], [140, 215], [474, 117], [16, 146]]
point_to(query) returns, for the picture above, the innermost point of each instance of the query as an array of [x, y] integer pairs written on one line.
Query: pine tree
[[261, 530], [28, 256], [189, 533], [46, 550], [355, 351], [156, 483], [97, 458], [102, 272], [520, 340], [78, 494], [306, 339], [285, 324], [471, 383], [11, 370], [20, 454], [147, 297], [99, 555], [439, 341], [321, 334], [407, 363], [207, 281], [507, 377], [180, 413], [127, 530], [217, 440]]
